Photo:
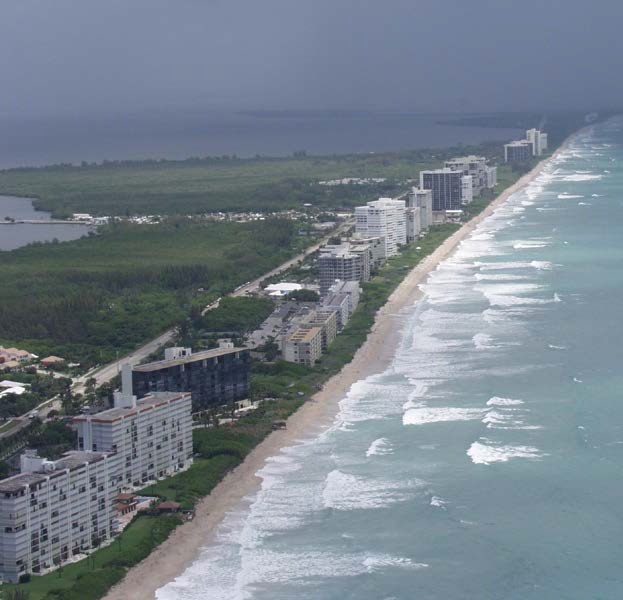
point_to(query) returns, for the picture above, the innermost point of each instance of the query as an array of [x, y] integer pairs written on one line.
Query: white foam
[[380, 447], [499, 277], [530, 244], [498, 401], [438, 502], [540, 265], [509, 300], [581, 177], [345, 491], [485, 454], [429, 414], [384, 561], [483, 341], [565, 196]]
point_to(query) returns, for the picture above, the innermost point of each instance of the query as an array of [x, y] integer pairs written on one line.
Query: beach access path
[[172, 557]]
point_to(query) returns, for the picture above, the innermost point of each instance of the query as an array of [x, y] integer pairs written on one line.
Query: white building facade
[[385, 218]]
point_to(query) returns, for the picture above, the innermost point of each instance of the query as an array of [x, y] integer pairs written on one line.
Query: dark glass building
[[213, 377], [446, 187]]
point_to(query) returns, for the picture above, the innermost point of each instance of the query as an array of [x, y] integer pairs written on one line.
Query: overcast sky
[[96, 56]]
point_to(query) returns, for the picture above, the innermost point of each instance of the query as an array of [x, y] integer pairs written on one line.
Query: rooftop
[[305, 335], [195, 356], [70, 460], [154, 400]]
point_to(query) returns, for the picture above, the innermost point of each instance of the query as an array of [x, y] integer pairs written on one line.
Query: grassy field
[[88, 299], [194, 186]]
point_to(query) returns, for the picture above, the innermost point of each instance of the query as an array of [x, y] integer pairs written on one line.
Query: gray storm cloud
[[87, 56]]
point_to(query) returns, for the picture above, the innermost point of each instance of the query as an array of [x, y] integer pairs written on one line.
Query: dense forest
[[197, 186], [87, 299]]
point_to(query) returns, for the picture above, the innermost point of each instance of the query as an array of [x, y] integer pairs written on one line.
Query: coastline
[[172, 557]]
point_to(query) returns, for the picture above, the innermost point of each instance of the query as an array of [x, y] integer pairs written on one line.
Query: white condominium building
[[385, 218], [422, 199], [152, 437], [476, 167], [54, 510], [538, 141]]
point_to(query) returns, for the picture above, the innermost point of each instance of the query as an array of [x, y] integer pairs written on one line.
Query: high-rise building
[[344, 263], [375, 246], [56, 510], [151, 437], [53, 511], [476, 167], [214, 377], [414, 223], [518, 151], [451, 190], [538, 141], [385, 218], [492, 177], [422, 199]]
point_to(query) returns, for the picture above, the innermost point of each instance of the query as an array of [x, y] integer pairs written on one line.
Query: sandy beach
[[172, 557]]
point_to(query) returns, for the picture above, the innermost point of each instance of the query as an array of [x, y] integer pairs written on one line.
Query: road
[[106, 373]]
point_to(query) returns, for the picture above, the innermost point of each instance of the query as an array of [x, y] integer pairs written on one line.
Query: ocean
[[486, 462], [179, 134]]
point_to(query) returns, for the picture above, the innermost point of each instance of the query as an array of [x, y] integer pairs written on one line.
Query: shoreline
[[169, 560]]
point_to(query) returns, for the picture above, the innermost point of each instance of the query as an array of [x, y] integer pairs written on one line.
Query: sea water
[[487, 461]]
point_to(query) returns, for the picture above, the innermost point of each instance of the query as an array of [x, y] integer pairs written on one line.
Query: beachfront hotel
[[56, 511], [451, 190], [384, 218]]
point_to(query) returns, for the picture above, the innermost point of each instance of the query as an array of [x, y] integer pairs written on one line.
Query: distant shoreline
[[182, 548]]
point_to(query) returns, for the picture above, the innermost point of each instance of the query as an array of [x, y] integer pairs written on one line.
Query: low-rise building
[[14, 354], [214, 377], [325, 318], [351, 289], [303, 346], [340, 303], [282, 289], [51, 361]]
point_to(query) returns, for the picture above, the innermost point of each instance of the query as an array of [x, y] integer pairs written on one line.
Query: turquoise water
[[487, 461]]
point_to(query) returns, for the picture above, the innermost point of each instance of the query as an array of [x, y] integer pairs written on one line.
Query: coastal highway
[[106, 373]]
